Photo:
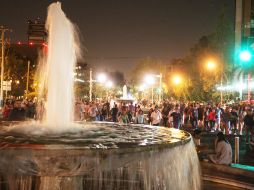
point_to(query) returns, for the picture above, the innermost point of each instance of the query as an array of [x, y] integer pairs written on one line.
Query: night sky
[[117, 33]]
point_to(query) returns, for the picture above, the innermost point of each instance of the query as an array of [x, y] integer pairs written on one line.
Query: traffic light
[[245, 58], [245, 55]]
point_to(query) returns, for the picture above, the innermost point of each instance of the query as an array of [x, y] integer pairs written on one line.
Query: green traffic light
[[245, 55]]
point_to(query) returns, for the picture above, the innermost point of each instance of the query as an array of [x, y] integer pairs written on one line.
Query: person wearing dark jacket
[[114, 113], [17, 113], [249, 125]]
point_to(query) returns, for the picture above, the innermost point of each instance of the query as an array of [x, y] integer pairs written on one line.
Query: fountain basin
[[111, 157]]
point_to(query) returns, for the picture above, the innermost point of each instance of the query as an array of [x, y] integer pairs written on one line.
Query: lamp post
[[2, 30], [149, 79], [160, 95], [109, 85], [211, 65], [177, 79], [90, 85], [27, 78], [101, 78]]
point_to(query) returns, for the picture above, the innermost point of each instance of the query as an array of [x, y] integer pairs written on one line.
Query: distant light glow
[[177, 79], [31, 43], [101, 78], [211, 65], [149, 79], [245, 55]]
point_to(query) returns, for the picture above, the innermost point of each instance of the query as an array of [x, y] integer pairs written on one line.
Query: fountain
[[61, 155]]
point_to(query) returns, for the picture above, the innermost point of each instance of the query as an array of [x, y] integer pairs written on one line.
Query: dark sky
[[117, 33]]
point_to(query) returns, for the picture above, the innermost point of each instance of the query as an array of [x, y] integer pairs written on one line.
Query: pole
[[152, 94], [236, 150], [90, 86], [160, 97], [249, 87], [3, 30], [221, 94], [2, 67], [27, 78]]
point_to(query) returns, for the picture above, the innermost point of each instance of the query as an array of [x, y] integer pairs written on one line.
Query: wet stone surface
[[88, 136]]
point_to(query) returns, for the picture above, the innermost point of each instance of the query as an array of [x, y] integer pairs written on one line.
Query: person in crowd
[[98, 111], [140, 118], [30, 109], [242, 113], [149, 118], [223, 151], [226, 117], [211, 119], [123, 117], [170, 118], [114, 113], [6, 110], [156, 116], [176, 115], [194, 116], [249, 126], [93, 112], [234, 121], [218, 117], [77, 111], [206, 119], [18, 113], [164, 112], [104, 114], [186, 114], [200, 115], [107, 105]]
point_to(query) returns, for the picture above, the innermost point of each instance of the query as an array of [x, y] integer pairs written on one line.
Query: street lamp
[[211, 65], [177, 79], [101, 78], [109, 85], [150, 79]]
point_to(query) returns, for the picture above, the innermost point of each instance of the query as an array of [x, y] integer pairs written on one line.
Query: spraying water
[[58, 71]]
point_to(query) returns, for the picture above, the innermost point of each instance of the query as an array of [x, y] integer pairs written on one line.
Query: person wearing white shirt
[[156, 117]]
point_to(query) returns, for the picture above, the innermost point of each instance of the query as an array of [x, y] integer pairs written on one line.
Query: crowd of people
[[231, 119]]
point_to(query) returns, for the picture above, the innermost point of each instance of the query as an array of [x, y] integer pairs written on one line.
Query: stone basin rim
[[127, 145]]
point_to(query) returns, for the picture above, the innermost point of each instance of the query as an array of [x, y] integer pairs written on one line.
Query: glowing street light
[[101, 78], [149, 79], [177, 79], [211, 65], [245, 56]]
